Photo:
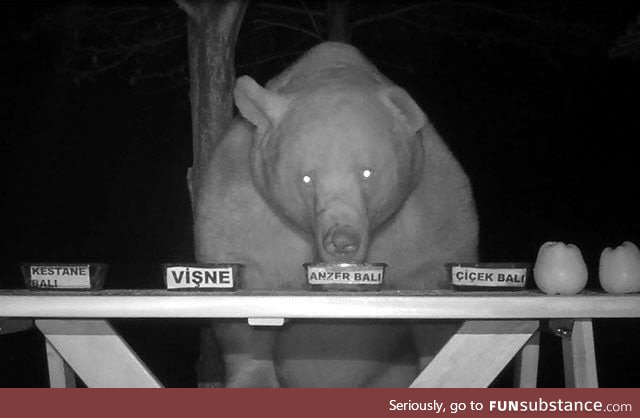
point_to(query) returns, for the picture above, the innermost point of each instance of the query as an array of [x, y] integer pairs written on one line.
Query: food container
[[202, 276], [488, 276], [345, 276], [64, 276]]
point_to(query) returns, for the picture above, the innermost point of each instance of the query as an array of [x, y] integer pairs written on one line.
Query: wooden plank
[[475, 355], [526, 363], [60, 374], [97, 353], [580, 356], [389, 305]]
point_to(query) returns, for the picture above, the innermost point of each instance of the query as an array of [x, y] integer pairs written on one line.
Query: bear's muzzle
[[342, 241]]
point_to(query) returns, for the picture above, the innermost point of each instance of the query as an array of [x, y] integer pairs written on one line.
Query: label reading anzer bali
[[65, 277], [325, 275], [182, 277], [488, 277]]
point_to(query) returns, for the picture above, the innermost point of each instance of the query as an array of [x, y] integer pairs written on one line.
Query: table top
[[527, 304]]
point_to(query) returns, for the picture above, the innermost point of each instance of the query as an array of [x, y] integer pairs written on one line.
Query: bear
[[331, 162]]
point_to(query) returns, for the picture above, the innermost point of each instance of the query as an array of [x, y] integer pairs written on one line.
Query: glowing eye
[[306, 179], [366, 173]]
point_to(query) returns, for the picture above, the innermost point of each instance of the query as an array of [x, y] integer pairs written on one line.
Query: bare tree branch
[[629, 43], [313, 21], [79, 75], [132, 39], [396, 12], [178, 71], [528, 17], [271, 58], [289, 9], [191, 12], [291, 27]]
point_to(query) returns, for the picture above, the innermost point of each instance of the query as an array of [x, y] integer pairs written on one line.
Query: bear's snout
[[342, 241]]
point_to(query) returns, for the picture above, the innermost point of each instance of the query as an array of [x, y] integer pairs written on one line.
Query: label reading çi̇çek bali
[[182, 277], [65, 277], [488, 277], [324, 275]]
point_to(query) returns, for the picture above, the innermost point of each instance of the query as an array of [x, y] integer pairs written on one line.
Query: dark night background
[[542, 118]]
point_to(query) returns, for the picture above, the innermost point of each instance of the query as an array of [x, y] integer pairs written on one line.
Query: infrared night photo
[[321, 194]]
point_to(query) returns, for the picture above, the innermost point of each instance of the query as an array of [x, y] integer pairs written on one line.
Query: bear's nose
[[342, 240]]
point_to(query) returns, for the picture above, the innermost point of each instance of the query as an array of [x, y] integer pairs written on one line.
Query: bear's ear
[[261, 107], [405, 110]]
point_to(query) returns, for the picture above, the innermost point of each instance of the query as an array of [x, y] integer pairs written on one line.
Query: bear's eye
[[366, 173], [306, 179]]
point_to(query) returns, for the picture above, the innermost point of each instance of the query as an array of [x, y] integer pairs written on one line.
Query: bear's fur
[[332, 162]]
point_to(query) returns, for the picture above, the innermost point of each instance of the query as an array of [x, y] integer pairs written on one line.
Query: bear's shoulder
[[329, 63], [335, 51]]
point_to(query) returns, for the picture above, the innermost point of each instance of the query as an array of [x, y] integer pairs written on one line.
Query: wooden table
[[498, 327]]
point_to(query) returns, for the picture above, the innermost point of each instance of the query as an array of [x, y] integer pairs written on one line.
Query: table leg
[[475, 355], [526, 363], [60, 374], [95, 351], [579, 355]]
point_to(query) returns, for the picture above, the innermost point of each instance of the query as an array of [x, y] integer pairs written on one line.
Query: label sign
[[182, 277], [488, 277], [63, 277], [344, 275]]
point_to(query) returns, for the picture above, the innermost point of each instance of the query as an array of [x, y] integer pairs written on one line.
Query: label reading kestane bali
[[338, 275], [488, 277], [64, 277], [182, 277]]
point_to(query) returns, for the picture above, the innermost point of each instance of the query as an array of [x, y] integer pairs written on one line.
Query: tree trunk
[[213, 27], [338, 20]]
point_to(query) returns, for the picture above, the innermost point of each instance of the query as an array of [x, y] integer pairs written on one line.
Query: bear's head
[[336, 162]]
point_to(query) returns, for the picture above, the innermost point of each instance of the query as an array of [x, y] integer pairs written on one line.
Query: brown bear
[[332, 162]]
